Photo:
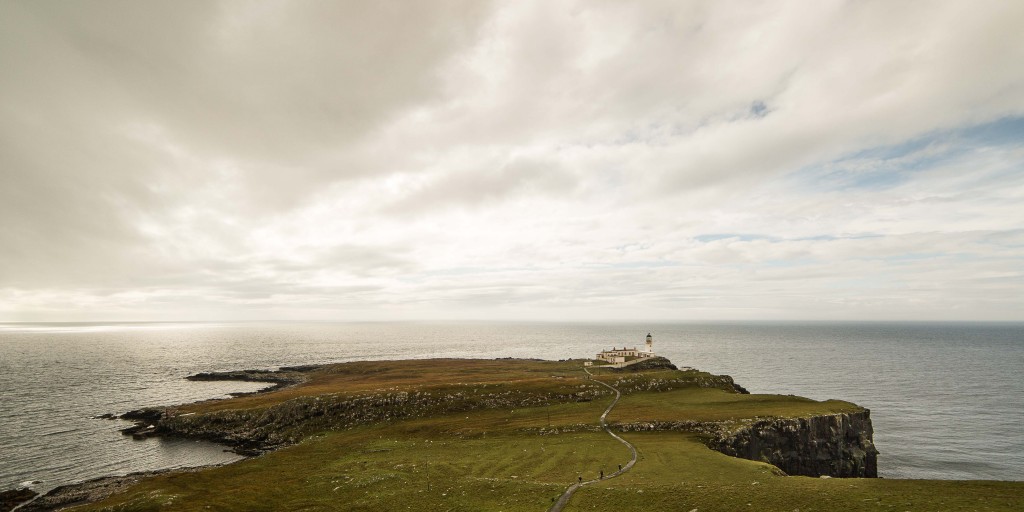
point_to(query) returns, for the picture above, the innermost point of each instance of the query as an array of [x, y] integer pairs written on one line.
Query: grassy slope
[[500, 459], [677, 472], [709, 404]]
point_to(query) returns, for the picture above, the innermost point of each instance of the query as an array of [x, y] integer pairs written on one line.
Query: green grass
[[677, 472], [407, 467], [410, 375], [521, 459], [709, 404]]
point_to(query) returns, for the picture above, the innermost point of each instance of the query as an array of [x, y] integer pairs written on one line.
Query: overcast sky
[[548, 160]]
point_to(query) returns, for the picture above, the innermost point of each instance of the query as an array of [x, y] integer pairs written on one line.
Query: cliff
[[838, 445], [646, 364], [835, 445], [814, 444], [256, 430]]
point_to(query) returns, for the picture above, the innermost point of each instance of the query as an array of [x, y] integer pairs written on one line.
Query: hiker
[[602, 474], [581, 478], [620, 468]]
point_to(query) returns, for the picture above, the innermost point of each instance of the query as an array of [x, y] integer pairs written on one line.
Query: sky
[[528, 160]]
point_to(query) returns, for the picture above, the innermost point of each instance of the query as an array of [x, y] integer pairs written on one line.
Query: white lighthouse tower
[[650, 344]]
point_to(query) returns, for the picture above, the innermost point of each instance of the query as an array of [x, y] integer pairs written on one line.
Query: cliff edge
[[837, 445]]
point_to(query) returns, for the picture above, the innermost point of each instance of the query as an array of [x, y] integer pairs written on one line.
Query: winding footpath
[[564, 499]]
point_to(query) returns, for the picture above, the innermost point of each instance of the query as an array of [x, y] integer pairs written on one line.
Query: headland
[[514, 434]]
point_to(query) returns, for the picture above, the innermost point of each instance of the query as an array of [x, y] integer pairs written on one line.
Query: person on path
[[581, 478], [602, 474], [620, 467]]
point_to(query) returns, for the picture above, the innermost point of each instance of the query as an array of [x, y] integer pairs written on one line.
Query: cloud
[[481, 187], [529, 160]]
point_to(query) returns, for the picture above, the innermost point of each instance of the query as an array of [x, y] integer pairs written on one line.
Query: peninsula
[[521, 435]]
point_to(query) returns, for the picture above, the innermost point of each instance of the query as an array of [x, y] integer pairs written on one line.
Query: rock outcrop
[[631, 383], [145, 422], [14, 497], [651, 363], [837, 445], [94, 490], [283, 377]]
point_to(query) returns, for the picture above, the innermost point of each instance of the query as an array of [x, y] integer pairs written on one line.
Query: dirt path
[[564, 499]]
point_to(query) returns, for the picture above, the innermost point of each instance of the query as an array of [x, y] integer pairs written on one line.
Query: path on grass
[[562, 501]]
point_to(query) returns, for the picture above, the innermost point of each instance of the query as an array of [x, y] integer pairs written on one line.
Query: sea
[[946, 399]]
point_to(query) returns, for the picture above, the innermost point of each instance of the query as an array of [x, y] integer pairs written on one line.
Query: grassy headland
[[511, 435]]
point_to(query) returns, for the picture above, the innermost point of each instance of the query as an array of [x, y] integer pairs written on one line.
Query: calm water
[[947, 400]]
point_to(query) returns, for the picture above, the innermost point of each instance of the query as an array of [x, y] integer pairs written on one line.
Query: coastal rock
[[14, 497], [93, 490], [836, 445], [145, 422], [722, 382], [77, 494], [630, 383], [652, 363], [254, 431], [140, 431], [148, 414], [284, 377], [709, 428]]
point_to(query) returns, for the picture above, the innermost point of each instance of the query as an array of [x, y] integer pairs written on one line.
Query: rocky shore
[[281, 378], [148, 420], [93, 490], [14, 497]]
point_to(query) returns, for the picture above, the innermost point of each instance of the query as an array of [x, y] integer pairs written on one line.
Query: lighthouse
[[650, 344]]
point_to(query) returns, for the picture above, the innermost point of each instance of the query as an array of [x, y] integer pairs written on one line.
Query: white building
[[621, 355]]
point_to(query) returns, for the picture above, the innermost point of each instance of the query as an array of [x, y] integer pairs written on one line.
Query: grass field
[[676, 472], [376, 376], [709, 404], [522, 459]]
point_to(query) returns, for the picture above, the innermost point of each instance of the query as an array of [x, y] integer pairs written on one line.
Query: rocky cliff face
[[252, 431], [631, 383], [651, 363], [838, 445]]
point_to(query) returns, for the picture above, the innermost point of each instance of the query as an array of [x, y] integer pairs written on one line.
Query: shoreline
[[147, 419], [96, 489]]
